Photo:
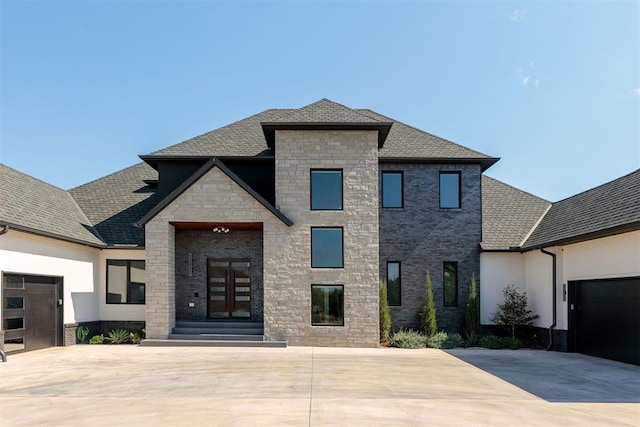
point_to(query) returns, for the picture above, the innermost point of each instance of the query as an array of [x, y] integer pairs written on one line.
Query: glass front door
[[228, 288]]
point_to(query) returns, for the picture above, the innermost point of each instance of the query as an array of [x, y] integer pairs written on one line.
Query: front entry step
[[215, 337], [211, 343]]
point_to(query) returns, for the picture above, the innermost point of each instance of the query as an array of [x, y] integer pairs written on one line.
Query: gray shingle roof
[[116, 202], [604, 210], [29, 204], [246, 138], [508, 214]]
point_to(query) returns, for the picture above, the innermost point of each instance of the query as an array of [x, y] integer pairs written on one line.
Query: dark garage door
[[31, 315], [604, 318]]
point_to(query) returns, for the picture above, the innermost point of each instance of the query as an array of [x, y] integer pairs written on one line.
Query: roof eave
[[607, 232], [485, 162], [22, 228], [269, 128]]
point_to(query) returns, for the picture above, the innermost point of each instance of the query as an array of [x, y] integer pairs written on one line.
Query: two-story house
[[284, 222]]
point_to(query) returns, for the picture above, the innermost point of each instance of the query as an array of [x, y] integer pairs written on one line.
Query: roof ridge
[[105, 176], [428, 133], [33, 177], [296, 111]]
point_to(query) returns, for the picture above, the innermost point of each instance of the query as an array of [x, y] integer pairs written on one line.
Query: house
[[286, 220]]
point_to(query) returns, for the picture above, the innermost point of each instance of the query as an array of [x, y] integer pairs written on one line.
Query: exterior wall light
[[221, 229]]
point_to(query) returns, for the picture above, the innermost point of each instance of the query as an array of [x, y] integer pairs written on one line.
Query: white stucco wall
[[497, 271], [615, 256], [539, 286], [77, 264], [134, 312]]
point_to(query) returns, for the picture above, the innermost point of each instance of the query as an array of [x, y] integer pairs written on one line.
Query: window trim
[[311, 308], [311, 171], [459, 173], [401, 189], [128, 261], [457, 282], [399, 283], [342, 244]]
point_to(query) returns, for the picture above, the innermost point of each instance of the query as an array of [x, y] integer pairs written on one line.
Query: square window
[[326, 247], [126, 282], [327, 305], [326, 189], [450, 190], [392, 188], [393, 283], [450, 284]]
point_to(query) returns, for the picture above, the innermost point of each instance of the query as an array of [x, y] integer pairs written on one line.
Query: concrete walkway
[[298, 386]]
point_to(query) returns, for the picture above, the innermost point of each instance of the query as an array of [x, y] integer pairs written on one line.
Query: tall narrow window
[[326, 247], [393, 283], [326, 189], [392, 188], [450, 284], [327, 305], [125, 282], [450, 190]]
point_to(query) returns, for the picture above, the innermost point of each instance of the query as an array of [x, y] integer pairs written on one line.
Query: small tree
[[385, 315], [428, 325], [513, 311], [472, 328]]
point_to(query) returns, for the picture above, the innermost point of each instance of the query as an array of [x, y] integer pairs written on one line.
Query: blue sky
[[553, 88]]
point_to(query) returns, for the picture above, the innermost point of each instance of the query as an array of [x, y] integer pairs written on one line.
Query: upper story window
[[326, 189], [125, 281], [450, 284], [393, 283], [450, 190], [392, 189], [327, 247]]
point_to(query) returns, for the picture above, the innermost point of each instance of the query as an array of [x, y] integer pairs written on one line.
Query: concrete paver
[[130, 385]]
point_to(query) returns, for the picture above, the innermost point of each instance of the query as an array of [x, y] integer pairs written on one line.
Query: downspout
[[554, 282], [3, 356]]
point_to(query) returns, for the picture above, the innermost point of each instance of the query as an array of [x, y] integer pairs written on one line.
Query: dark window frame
[[392, 172], [459, 174], [311, 189], [342, 309], [399, 283], [454, 264], [341, 244], [128, 284]]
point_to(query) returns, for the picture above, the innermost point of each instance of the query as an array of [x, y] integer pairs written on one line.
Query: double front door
[[228, 288]]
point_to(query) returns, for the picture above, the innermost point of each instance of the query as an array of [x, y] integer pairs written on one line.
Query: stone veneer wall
[[422, 236], [213, 198], [288, 282], [206, 244]]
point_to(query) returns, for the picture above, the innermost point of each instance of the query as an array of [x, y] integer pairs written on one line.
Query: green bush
[[408, 339], [136, 337], [119, 336], [428, 325], [513, 312], [495, 343], [436, 340], [453, 341], [97, 339], [472, 329], [385, 315], [82, 333]]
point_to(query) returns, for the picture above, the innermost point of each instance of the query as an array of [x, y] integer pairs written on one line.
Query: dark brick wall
[[422, 236], [206, 244]]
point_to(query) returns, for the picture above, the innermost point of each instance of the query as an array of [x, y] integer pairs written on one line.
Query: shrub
[[472, 329], [97, 339], [136, 337], [495, 343], [436, 340], [385, 315], [119, 336], [408, 339], [513, 311], [453, 341], [82, 333], [428, 325]]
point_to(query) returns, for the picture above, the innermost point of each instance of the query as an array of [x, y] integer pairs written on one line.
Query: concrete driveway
[[299, 386]]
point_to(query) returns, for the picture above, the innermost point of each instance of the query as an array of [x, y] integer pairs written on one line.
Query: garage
[[31, 312], [604, 318]]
